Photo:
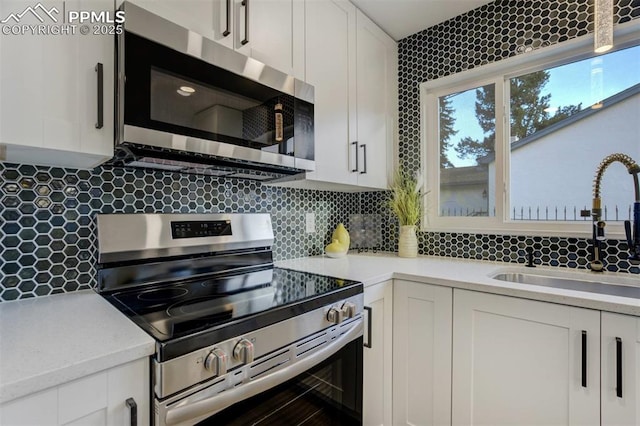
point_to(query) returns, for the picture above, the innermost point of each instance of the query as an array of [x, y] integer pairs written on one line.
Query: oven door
[[328, 394], [319, 386]]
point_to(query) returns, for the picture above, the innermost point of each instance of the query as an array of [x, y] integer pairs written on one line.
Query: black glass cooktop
[[188, 315]]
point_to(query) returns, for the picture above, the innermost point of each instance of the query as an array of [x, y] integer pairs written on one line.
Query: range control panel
[[197, 229]]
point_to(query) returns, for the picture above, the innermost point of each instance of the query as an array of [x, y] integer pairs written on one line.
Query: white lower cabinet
[[421, 354], [377, 354], [470, 358], [518, 361], [620, 351], [96, 400]]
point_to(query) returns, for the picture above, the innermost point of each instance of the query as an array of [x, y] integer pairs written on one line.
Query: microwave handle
[[245, 3], [187, 412], [100, 95]]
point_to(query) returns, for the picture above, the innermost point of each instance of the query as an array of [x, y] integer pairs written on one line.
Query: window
[[464, 178], [517, 152]]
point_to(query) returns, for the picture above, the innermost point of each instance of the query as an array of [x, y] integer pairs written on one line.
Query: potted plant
[[405, 202]]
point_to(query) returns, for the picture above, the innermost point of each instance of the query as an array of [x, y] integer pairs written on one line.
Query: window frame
[[500, 73]]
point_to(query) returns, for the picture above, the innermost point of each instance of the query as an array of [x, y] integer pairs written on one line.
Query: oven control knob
[[243, 351], [348, 310], [335, 315], [216, 362]]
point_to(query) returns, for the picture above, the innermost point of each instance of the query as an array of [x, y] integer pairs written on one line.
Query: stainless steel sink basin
[[621, 286]]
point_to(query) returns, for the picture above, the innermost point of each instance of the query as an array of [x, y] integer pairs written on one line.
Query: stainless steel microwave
[[188, 104]]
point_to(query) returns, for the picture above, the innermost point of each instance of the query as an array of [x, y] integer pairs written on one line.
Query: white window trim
[[626, 35]]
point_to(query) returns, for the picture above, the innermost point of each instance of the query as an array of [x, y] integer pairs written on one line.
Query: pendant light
[[603, 39]]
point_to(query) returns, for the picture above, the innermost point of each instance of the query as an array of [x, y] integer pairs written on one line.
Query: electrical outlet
[[310, 222]]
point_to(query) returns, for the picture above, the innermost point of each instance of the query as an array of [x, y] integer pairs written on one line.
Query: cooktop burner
[[160, 294], [198, 311]]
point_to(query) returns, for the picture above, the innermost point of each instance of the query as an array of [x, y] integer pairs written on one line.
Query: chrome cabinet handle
[[100, 97], [245, 3], [133, 410], [355, 144], [369, 310], [584, 358], [364, 156], [227, 32], [618, 367]]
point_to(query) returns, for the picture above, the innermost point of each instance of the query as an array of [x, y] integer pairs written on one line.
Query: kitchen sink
[[614, 286]]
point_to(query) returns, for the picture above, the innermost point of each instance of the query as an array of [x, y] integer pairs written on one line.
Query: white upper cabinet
[[210, 18], [377, 88], [55, 110], [331, 69], [54, 107], [352, 65], [270, 31]]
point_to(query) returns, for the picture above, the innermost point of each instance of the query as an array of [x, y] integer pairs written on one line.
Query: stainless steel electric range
[[238, 341]]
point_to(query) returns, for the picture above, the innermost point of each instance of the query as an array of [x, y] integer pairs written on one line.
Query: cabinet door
[[377, 60], [127, 381], [519, 361], [93, 50], [39, 84], [378, 301], [210, 18], [331, 69], [422, 354], [48, 91], [620, 374], [272, 32], [222, 21], [84, 401], [99, 399], [37, 409]]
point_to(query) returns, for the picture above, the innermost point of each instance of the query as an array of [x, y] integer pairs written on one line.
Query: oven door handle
[[209, 406]]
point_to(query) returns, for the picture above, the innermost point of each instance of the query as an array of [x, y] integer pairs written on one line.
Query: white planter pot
[[408, 242]]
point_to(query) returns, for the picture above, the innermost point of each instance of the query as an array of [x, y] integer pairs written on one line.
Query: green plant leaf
[[406, 198]]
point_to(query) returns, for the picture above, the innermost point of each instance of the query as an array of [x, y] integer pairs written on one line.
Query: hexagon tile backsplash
[[47, 235]]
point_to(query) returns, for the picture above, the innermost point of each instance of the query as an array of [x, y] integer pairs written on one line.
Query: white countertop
[[51, 340], [470, 274]]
